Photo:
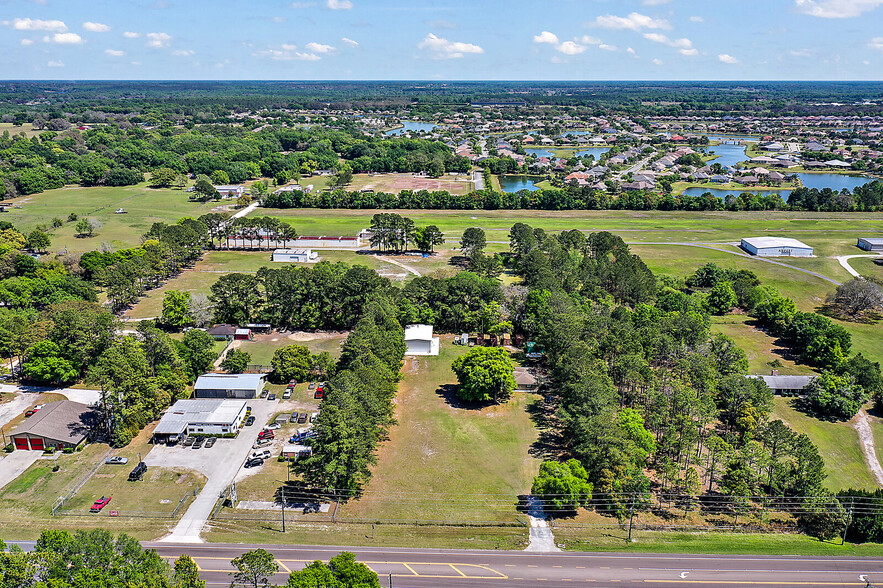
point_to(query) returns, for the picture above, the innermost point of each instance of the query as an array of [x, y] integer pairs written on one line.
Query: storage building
[[776, 247], [870, 243], [58, 424], [419, 340], [525, 381], [201, 416], [222, 332], [230, 191], [229, 386], [785, 385], [296, 255]]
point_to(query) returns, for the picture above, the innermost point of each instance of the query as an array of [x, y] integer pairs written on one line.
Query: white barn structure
[[229, 385], [419, 340], [870, 243], [296, 255], [776, 247]]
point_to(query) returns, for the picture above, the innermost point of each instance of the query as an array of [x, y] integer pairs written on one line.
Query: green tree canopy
[[484, 374]]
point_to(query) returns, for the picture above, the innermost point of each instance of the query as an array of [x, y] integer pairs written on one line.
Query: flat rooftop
[[229, 381], [198, 410], [764, 242]]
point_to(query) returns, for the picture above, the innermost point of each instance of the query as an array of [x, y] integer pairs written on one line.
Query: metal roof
[[872, 240], [764, 242], [64, 420], [785, 382], [229, 382], [198, 410], [418, 333]]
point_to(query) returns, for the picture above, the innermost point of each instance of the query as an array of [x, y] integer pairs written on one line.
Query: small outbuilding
[[525, 381], [229, 385], [222, 332], [230, 191], [201, 416], [785, 385], [776, 247], [419, 340], [243, 335], [295, 255], [58, 424], [870, 243]]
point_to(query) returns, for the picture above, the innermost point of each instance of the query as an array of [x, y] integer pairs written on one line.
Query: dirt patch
[[316, 336], [866, 437]]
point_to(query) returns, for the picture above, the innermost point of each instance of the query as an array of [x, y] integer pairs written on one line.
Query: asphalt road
[[430, 568]]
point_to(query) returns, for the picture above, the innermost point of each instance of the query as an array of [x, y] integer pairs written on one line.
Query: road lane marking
[[684, 575], [458, 571], [412, 569], [283, 566]]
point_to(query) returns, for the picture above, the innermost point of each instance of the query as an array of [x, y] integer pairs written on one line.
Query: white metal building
[[420, 341], [201, 416], [229, 385], [776, 247], [870, 243], [297, 255], [785, 385]]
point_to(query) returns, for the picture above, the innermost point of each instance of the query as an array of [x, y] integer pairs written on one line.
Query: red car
[[266, 434], [99, 504], [320, 391], [32, 411]]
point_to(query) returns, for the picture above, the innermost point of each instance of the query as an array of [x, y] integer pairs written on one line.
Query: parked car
[[263, 454], [172, 440], [287, 394], [32, 411], [99, 504], [210, 441], [254, 462], [302, 418], [271, 397], [198, 443], [259, 443], [272, 427], [293, 418], [117, 459], [138, 472], [292, 383], [188, 441], [312, 386], [266, 434], [313, 416], [264, 393]]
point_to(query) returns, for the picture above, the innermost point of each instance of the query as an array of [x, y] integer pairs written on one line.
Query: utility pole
[[390, 580], [846, 528], [283, 509], [631, 518]]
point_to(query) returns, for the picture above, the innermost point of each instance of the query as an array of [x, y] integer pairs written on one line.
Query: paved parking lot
[[219, 464]]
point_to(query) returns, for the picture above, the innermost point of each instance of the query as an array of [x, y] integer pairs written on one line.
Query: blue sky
[[431, 39]]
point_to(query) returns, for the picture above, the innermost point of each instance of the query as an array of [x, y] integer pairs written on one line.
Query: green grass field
[[445, 461], [837, 442], [263, 347], [759, 347], [26, 128], [144, 206]]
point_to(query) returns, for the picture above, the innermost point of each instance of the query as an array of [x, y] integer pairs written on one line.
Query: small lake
[[411, 125], [732, 138], [819, 181], [515, 184], [543, 152], [728, 154]]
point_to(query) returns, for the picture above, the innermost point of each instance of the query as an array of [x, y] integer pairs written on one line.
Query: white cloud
[[654, 2], [96, 27], [801, 53], [277, 18], [55, 64], [32, 24], [158, 40], [607, 47], [689, 52], [656, 61], [287, 53], [697, 19], [131, 35], [27, 42], [319, 48], [685, 45], [443, 49], [114, 52], [546, 37], [556, 59], [183, 52], [589, 40], [724, 58], [634, 22], [570, 48], [340, 4], [303, 4], [350, 42], [64, 39], [836, 8], [630, 50], [876, 43]]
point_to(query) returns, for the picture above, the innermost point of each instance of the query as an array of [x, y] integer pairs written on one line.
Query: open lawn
[[447, 461], [143, 205], [760, 347], [395, 183], [838, 444], [26, 128], [262, 347]]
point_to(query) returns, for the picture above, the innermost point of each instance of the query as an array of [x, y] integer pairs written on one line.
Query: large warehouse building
[[870, 243], [229, 385], [201, 416], [58, 424], [776, 247]]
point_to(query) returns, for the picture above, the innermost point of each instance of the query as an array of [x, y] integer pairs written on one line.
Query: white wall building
[[776, 247], [296, 255], [420, 341], [229, 385], [201, 416]]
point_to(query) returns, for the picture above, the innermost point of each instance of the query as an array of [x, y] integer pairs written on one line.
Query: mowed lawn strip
[[447, 462], [838, 445], [759, 347]]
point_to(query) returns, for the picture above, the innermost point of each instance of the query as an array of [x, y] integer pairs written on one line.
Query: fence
[[62, 500], [111, 512]]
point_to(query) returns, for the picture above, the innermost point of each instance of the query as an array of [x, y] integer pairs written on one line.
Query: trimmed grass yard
[[838, 444], [262, 347], [447, 461], [393, 183], [760, 347]]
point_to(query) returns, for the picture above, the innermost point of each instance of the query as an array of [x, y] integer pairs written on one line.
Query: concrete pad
[[14, 464]]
